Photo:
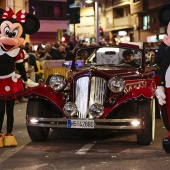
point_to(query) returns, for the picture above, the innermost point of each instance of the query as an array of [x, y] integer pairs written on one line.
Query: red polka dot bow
[[19, 16]]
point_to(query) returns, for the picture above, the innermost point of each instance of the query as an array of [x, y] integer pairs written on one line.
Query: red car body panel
[[45, 92]]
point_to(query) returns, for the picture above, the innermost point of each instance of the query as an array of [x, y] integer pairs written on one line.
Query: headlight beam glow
[[33, 120], [135, 123]]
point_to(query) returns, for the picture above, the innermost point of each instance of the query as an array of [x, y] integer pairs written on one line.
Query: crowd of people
[[64, 51], [34, 59], [56, 51]]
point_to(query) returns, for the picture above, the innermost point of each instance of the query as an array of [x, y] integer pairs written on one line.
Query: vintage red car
[[105, 93]]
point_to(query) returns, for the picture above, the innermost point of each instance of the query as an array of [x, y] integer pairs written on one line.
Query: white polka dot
[[7, 88], [14, 16], [7, 8], [22, 16], [23, 11]]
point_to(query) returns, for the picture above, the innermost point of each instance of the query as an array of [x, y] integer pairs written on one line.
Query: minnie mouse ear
[[32, 24], [164, 14]]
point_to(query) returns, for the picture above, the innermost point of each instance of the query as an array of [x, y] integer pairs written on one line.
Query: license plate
[[77, 123]]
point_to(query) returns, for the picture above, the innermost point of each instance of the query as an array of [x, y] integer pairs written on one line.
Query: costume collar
[[12, 53]]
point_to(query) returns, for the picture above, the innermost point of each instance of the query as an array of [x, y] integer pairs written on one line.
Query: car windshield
[[110, 56]]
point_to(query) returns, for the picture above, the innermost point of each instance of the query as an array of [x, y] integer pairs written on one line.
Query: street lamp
[[96, 17]]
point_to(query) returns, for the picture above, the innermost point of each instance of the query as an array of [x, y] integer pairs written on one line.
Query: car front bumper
[[96, 123]]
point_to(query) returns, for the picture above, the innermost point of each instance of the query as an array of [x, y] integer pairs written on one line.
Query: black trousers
[[8, 107]]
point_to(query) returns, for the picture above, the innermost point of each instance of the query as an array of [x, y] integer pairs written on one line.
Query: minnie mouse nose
[[10, 35]]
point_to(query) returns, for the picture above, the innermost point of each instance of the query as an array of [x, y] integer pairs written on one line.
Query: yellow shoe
[[9, 140], [1, 140]]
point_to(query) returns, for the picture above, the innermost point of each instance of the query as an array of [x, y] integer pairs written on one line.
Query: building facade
[[53, 20], [121, 20], [133, 20], [51, 13]]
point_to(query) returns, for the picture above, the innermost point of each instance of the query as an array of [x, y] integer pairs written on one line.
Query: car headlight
[[116, 84], [96, 110], [70, 109], [57, 82]]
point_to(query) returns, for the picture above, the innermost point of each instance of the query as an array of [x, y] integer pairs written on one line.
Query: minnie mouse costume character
[[13, 28], [163, 90]]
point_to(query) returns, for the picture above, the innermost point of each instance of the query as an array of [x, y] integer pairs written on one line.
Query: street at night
[[76, 150], [93, 76]]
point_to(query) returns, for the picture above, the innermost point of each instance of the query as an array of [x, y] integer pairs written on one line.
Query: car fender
[[46, 92], [141, 94]]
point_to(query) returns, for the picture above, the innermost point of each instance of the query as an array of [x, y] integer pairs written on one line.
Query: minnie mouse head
[[164, 19], [13, 27]]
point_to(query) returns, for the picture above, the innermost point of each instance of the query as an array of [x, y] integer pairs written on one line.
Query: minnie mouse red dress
[[11, 83]]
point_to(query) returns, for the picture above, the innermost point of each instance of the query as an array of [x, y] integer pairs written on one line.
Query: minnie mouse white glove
[[30, 83], [160, 94]]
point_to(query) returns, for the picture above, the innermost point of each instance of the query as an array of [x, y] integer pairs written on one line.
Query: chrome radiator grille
[[97, 93]]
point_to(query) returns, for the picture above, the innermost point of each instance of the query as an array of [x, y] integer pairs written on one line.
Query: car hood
[[109, 71]]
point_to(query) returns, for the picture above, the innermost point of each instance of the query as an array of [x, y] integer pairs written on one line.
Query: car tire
[[146, 110], [36, 108]]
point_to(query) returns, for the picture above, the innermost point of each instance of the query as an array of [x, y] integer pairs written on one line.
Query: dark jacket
[[161, 52]]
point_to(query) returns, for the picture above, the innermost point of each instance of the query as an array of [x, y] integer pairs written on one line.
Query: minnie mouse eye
[[6, 31], [15, 33]]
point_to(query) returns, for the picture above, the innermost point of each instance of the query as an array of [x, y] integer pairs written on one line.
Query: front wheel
[[36, 108], [146, 111]]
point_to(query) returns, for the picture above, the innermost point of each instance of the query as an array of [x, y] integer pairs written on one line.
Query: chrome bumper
[[98, 123]]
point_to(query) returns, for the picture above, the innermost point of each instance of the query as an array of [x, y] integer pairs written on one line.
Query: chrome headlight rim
[[116, 84], [57, 82], [96, 110], [70, 109]]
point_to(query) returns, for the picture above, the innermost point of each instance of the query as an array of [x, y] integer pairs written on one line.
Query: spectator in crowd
[[54, 52], [69, 54], [153, 56], [30, 64], [128, 58], [71, 45], [39, 53], [47, 55], [85, 55], [62, 52]]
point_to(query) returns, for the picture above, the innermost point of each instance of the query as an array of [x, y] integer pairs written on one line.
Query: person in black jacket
[[161, 51], [54, 52], [163, 90]]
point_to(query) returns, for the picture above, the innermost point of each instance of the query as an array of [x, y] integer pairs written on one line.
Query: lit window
[[146, 22]]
